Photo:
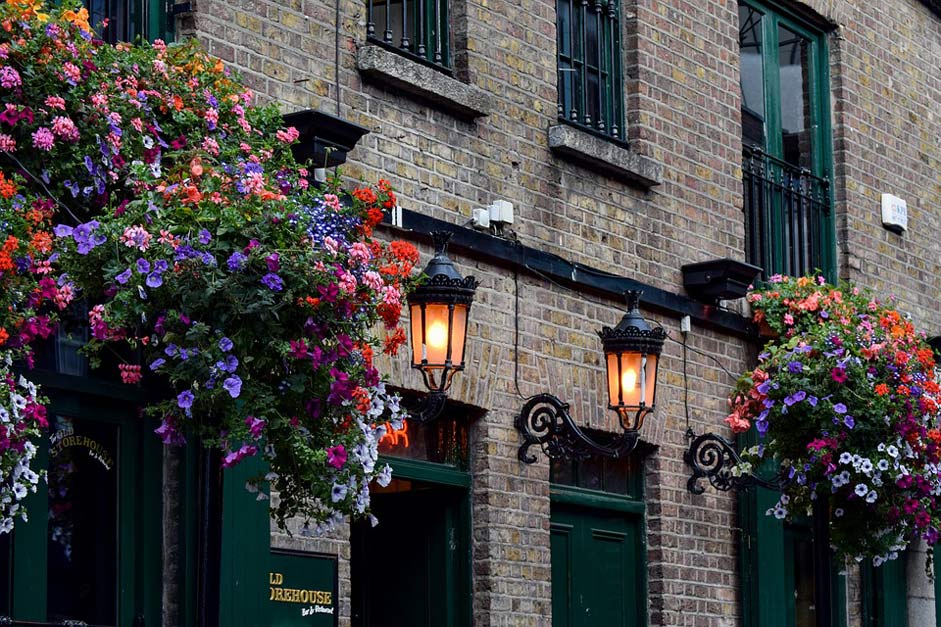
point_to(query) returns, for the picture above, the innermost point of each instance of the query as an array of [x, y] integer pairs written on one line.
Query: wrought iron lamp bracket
[[545, 421], [429, 407], [713, 457]]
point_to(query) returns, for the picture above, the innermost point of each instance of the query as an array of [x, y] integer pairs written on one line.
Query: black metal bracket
[[429, 407], [545, 421], [713, 457]]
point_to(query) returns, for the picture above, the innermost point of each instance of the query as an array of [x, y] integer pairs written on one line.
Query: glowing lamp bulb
[[628, 380], [437, 335]]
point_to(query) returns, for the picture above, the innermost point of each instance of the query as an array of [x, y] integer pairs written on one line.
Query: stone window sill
[[462, 100], [616, 161]]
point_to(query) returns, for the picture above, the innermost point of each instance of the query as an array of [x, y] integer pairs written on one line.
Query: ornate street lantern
[[439, 309], [632, 353]]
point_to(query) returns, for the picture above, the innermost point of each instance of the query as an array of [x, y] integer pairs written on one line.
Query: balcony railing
[[415, 28], [786, 211]]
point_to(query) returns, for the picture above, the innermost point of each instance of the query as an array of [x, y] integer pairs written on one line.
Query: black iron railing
[[590, 84], [786, 212], [416, 28]]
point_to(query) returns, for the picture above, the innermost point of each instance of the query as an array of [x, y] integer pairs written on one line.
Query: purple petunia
[[225, 344], [143, 266], [205, 236], [124, 277], [795, 367], [157, 363], [849, 421], [185, 399], [839, 408], [796, 397], [154, 279], [273, 282], [235, 261], [233, 385]]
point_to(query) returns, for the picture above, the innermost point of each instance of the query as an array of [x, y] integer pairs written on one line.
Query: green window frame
[[138, 563], [130, 20], [786, 141], [417, 29], [591, 84]]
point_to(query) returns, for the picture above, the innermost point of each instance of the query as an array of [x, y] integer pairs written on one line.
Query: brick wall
[[681, 79]]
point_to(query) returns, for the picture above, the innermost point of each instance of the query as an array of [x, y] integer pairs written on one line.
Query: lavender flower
[[185, 399], [235, 261], [233, 385], [225, 344], [273, 282]]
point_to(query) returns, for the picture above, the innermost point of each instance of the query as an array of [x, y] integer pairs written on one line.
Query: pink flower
[[255, 426], [788, 319], [373, 280], [331, 245], [332, 201], [737, 423], [136, 237], [288, 135], [72, 72], [211, 146], [359, 252], [9, 77], [55, 102], [235, 457], [43, 139], [336, 456], [7, 143], [838, 374], [65, 128]]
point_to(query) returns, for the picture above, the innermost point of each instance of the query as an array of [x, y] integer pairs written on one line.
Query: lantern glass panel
[[633, 383], [458, 334], [624, 382], [432, 345]]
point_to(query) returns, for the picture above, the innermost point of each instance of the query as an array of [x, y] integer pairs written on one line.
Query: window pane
[[83, 525], [752, 72], [796, 118]]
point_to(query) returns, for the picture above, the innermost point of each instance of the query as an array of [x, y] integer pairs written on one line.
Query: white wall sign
[[894, 213]]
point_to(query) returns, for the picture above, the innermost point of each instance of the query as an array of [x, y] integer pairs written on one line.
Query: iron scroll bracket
[[545, 421], [713, 457]]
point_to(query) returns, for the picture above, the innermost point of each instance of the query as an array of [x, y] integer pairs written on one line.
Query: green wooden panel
[[246, 538], [884, 594], [595, 567], [29, 551]]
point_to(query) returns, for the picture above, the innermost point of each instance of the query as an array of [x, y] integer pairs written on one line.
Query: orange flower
[[882, 389], [4, 336], [7, 188], [903, 390], [392, 342], [78, 18], [42, 242], [404, 251], [366, 195]]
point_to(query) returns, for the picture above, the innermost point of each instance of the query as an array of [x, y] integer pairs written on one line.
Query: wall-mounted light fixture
[[439, 311], [632, 354]]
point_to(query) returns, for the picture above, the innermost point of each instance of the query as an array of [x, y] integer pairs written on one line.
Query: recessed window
[[589, 50], [417, 28]]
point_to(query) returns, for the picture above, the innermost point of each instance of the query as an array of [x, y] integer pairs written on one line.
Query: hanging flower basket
[[845, 402], [143, 181]]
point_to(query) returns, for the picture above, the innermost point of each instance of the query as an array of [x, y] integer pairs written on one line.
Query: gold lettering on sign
[[275, 579], [299, 595], [95, 450]]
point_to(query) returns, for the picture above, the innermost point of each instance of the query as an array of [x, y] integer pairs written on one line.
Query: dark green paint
[[884, 594], [595, 573], [243, 589]]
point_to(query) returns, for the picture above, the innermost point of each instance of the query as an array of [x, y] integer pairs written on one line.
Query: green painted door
[[90, 551], [418, 545], [594, 559]]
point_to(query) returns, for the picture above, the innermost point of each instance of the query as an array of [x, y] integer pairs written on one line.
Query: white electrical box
[[894, 213], [501, 211], [481, 219]]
